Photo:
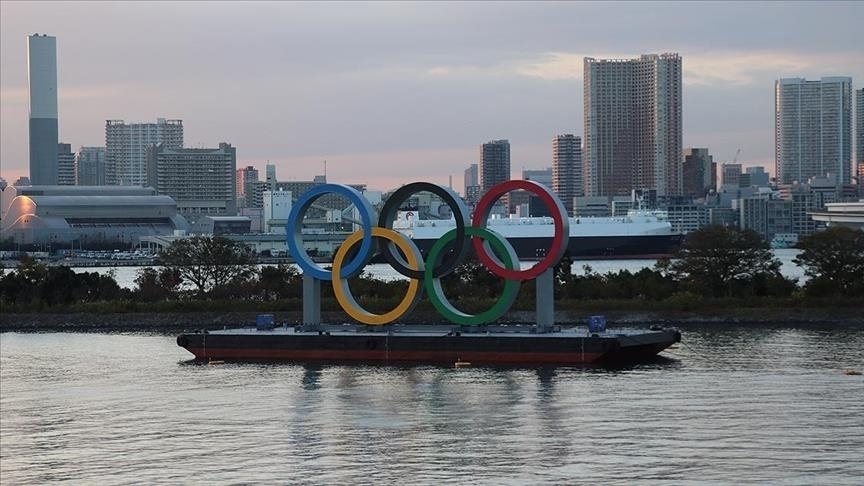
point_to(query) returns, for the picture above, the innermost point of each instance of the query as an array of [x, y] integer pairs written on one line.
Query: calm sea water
[[125, 276], [728, 406]]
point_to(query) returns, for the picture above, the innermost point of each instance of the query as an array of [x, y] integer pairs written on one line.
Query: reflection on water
[[726, 405]]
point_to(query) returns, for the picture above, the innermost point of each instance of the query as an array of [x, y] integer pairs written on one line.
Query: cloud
[[705, 69], [553, 66], [747, 68]]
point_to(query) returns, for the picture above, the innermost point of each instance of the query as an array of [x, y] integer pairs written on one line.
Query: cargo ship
[[640, 234], [496, 345]]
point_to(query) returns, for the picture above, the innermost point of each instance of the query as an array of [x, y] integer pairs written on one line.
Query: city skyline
[[393, 93]]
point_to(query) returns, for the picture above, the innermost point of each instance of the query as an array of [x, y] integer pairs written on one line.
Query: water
[[125, 276], [728, 406]]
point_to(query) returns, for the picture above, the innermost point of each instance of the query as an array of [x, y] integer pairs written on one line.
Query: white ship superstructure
[[640, 233], [636, 223]]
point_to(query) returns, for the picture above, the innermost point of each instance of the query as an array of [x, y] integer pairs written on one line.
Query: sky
[[396, 92]]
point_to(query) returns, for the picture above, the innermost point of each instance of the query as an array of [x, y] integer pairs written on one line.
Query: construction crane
[[737, 153]]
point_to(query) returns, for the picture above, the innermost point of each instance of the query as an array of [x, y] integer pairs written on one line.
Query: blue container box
[[264, 322], [597, 324]]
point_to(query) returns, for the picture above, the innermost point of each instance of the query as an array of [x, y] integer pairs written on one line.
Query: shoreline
[[175, 322]]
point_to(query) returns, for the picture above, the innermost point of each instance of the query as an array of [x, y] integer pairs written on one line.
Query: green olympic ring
[[432, 284]]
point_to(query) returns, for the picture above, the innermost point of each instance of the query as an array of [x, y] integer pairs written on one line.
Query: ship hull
[[587, 247], [558, 348]]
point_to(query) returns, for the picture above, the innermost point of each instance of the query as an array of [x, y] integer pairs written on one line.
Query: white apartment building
[[813, 129], [126, 145]]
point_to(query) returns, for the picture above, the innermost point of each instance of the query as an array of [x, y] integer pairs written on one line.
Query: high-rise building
[[541, 176], [200, 180], [698, 172], [271, 176], [126, 145], [494, 167], [633, 125], [244, 181], [813, 129], [471, 180], [42, 71], [567, 180], [90, 166], [730, 174], [245, 175], [758, 176], [764, 215], [807, 197], [65, 165], [859, 130]]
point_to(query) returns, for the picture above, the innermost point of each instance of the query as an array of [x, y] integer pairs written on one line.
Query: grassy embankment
[[681, 309]]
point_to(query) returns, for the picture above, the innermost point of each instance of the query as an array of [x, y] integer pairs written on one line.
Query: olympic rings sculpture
[[492, 249]]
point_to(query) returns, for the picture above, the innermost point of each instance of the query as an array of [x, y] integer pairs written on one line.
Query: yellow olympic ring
[[343, 293]]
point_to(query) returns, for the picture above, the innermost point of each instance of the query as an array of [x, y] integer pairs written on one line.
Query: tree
[[279, 282], [156, 285], [721, 261], [60, 286], [97, 287], [208, 262], [834, 261], [23, 285], [34, 283]]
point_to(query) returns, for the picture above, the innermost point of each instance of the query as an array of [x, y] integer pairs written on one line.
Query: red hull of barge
[[486, 348]]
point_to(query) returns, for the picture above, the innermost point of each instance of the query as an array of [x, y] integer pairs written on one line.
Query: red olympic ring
[[559, 240]]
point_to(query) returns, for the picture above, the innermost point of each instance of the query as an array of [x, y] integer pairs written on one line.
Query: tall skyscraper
[[42, 71], [494, 166], [859, 130], [126, 145], [245, 182], [90, 166], [567, 181], [698, 172], [200, 180], [65, 165], [633, 125], [813, 129]]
